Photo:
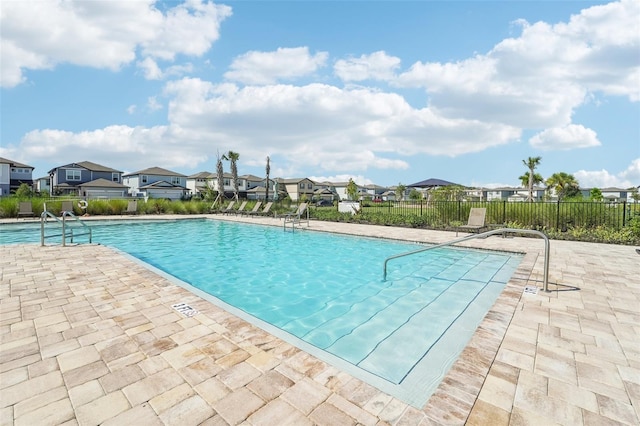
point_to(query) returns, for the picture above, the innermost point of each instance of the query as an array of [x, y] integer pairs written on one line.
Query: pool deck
[[88, 336]]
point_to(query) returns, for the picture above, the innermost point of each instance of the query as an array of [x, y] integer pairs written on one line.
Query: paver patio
[[89, 336]]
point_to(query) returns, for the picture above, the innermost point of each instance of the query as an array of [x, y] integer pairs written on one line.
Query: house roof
[[103, 183], [200, 175], [14, 163], [430, 183], [164, 185], [156, 171], [94, 167]]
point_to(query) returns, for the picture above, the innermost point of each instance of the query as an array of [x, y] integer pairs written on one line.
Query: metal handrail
[[63, 223], [485, 235]]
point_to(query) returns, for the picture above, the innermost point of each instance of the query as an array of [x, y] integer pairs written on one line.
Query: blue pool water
[[327, 290]]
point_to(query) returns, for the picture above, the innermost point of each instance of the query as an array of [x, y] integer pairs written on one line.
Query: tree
[[532, 163], [220, 173], [415, 195], [596, 195], [24, 191], [352, 190], [267, 169], [564, 185], [233, 157], [400, 192]]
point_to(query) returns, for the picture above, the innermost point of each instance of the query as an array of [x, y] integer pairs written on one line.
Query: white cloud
[[131, 109], [270, 67], [101, 34], [153, 104], [538, 79], [565, 138], [630, 177], [376, 66]]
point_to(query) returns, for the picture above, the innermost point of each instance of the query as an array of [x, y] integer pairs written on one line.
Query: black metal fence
[[539, 215]]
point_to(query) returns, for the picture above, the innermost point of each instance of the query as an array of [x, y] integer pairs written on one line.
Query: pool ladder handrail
[[486, 234], [86, 229]]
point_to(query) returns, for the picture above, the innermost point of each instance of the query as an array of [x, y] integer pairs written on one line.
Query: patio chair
[[67, 206], [255, 209], [477, 217], [132, 207], [263, 212], [229, 208], [241, 208], [25, 209]]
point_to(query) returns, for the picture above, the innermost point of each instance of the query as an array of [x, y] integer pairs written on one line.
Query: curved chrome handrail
[[485, 235]]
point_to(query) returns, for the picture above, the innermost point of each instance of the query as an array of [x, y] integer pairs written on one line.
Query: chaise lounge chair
[[67, 206], [264, 211], [476, 220], [229, 208], [25, 209], [132, 207], [241, 208], [254, 210]]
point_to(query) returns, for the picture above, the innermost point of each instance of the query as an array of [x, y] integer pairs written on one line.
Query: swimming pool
[[326, 291]]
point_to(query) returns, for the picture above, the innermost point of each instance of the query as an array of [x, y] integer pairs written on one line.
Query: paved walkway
[[89, 336]]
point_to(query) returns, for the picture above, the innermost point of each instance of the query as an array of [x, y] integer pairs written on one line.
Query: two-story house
[[70, 178], [297, 188], [156, 182], [12, 175]]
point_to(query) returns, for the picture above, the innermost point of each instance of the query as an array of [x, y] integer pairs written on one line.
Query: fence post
[[624, 213], [558, 216]]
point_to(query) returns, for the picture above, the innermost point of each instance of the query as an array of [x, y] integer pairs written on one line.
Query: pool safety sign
[[531, 289], [184, 309]]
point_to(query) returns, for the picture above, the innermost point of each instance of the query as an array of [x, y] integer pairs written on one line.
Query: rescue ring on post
[[83, 204]]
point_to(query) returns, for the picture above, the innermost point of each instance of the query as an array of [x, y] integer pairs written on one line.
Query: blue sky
[[385, 92]]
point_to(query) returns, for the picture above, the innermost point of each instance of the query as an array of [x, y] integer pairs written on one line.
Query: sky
[[384, 92]]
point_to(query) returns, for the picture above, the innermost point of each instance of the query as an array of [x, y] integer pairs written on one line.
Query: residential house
[[297, 188], [102, 188], [156, 182], [42, 185], [513, 194], [68, 178], [373, 192], [12, 175], [198, 183]]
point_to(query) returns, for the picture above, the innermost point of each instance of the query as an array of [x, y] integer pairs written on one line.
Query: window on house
[[115, 177], [144, 178], [74, 175], [301, 186], [227, 182], [309, 186], [175, 180]]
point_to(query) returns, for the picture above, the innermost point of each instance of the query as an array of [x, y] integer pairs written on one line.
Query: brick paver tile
[[212, 390], [152, 386], [238, 405], [173, 396], [278, 412], [102, 409], [30, 388], [270, 385], [138, 415], [56, 413], [238, 375], [328, 415], [306, 395], [189, 412]]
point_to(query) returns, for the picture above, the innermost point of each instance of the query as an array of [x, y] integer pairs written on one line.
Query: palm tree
[[537, 179], [532, 163], [233, 157], [564, 184], [268, 170]]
